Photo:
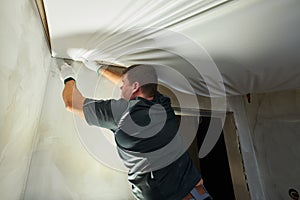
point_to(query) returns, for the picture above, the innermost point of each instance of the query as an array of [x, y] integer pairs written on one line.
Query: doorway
[[222, 168], [214, 166]]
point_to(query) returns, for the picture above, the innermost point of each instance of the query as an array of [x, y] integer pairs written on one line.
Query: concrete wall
[[274, 120], [268, 129], [24, 63]]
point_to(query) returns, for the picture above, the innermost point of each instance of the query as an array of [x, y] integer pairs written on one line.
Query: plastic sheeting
[[244, 46]]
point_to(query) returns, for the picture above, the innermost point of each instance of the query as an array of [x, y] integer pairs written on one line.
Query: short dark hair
[[145, 75]]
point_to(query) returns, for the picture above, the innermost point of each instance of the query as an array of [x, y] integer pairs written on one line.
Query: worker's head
[[139, 80]]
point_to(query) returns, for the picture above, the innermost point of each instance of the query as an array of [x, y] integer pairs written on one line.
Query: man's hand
[[67, 73], [92, 65]]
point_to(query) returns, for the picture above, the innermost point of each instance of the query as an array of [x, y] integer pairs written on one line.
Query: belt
[[198, 193]]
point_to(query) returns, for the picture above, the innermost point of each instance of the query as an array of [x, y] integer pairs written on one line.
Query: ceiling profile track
[[42, 12]]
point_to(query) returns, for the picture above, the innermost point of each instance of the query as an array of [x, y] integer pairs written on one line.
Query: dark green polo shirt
[[146, 134]]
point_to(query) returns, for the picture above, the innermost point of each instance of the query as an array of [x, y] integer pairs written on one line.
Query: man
[[145, 129]]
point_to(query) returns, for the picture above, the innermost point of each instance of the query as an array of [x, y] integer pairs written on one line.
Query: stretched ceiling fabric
[[238, 47]]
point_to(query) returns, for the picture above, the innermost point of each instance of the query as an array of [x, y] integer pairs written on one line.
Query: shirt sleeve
[[104, 113]]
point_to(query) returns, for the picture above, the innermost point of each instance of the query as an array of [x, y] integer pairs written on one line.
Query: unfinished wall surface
[[64, 164], [274, 120], [24, 62]]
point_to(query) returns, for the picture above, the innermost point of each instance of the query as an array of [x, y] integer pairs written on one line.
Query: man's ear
[[136, 86]]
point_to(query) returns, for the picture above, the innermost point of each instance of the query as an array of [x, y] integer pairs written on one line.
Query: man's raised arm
[[71, 95]]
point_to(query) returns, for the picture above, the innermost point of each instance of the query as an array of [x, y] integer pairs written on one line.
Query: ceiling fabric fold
[[217, 52]]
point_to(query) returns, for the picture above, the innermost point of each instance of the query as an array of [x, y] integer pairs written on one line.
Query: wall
[[274, 120], [24, 63], [73, 160], [268, 129]]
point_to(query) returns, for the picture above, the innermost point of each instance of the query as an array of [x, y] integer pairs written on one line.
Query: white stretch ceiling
[[254, 43]]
